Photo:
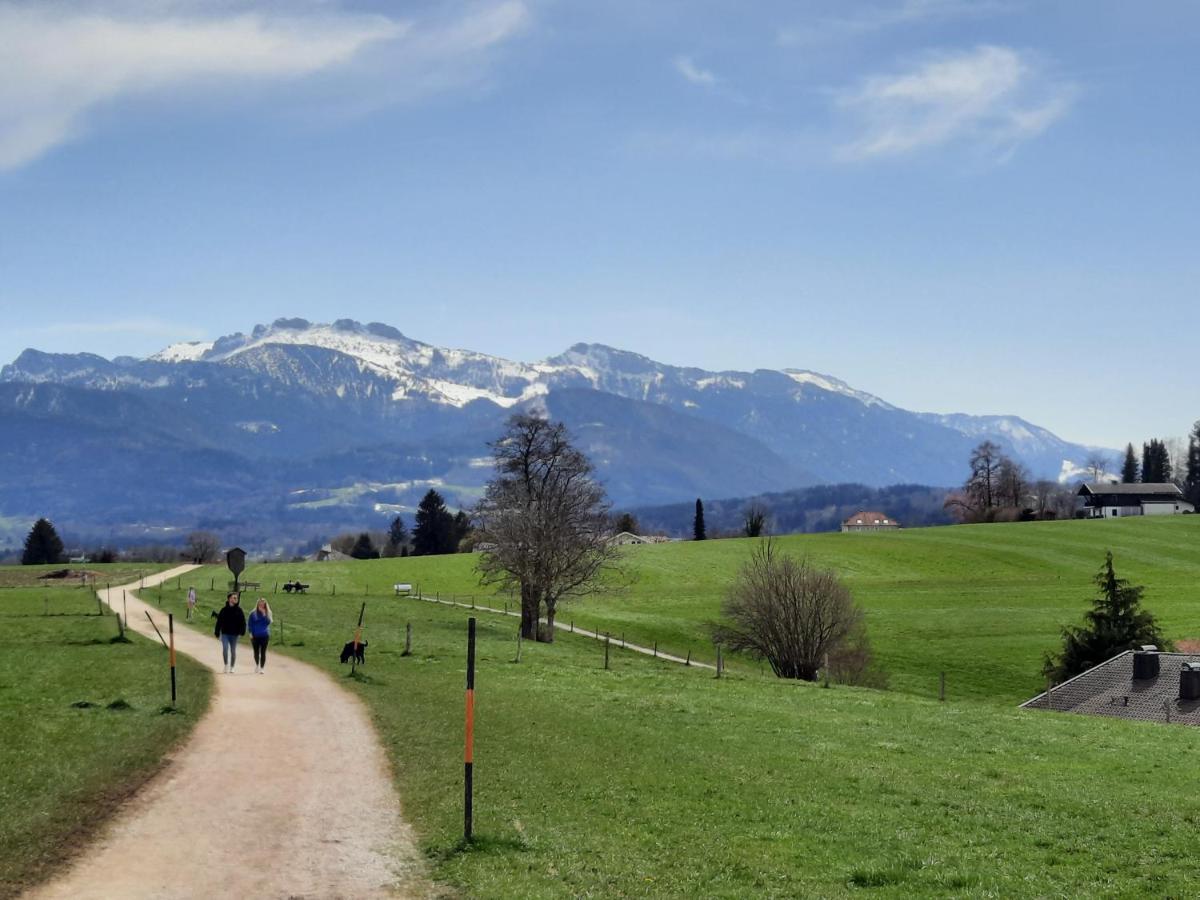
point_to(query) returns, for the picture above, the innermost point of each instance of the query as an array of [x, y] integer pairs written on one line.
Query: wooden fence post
[[408, 639], [719, 661], [606, 640], [942, 687]]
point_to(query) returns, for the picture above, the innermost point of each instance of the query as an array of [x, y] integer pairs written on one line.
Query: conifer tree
[[42, 545], [364, 548], [397, 535], [433, 527], [1156, 462], [698, 531], [1191, 478], [1129, 471], [1115, 623]]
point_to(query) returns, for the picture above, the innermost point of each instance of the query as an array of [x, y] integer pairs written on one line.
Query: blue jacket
[[260, 624]]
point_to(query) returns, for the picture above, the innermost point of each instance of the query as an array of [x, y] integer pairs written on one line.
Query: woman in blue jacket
[[260, 633]]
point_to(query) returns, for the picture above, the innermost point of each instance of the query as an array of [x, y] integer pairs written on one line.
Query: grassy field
[[657, 780], [64, 766], [99, 573], [982, 603]]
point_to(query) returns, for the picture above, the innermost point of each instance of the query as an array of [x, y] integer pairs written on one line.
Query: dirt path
[[283, 790]]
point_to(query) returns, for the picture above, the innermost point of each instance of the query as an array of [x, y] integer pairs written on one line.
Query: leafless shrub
[[786, 611]]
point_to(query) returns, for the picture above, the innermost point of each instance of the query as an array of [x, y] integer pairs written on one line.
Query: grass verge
[[82, 724], [657, 780]]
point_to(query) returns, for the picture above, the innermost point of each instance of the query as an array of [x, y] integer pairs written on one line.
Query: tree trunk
[[546, 632], [530, 607]]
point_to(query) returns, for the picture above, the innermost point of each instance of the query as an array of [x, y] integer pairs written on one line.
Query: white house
[[1112, 501]]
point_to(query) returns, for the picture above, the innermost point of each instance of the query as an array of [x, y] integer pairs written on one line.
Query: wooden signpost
[[235, 558]]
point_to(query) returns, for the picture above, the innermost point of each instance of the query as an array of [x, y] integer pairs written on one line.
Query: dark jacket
[[230, 620]]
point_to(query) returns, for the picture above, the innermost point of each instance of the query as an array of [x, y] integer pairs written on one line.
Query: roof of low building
[[1110, 690], [870, 517], [1099, 487]]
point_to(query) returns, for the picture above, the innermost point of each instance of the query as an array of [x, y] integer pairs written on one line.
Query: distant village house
[[870, 521], [1112, 501], [626, 537]]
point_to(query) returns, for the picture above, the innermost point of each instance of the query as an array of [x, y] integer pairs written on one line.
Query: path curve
[[282, 790]]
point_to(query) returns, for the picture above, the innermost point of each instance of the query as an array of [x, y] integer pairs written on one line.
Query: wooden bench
[[294, 587], [402, 590], [245, 585]]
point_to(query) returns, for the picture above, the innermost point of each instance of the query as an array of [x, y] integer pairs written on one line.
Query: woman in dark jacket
[[231, 624]]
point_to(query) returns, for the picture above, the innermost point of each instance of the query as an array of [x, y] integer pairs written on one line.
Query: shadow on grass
[[480, 843], [363, 678]]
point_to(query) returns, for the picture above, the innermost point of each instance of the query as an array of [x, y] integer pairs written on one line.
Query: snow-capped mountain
[[353, 416]]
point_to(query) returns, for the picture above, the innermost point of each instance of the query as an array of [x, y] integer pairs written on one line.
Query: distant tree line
[[1166, 461], [1000, 489], [803, 510]]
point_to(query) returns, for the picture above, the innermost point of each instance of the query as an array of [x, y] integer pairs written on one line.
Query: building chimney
[[1145, 662], [1189, 681]]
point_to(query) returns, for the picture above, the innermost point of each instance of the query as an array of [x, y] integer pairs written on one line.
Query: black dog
[[359, 656]]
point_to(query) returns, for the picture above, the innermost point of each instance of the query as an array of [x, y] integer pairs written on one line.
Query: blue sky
[[987, 207]]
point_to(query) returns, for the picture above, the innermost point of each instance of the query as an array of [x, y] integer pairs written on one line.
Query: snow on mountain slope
[[834, 385], [371, 379], [185, 351]]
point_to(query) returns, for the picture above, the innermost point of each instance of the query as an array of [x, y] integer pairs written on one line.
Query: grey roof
[[1099, 487], [1109, 690]]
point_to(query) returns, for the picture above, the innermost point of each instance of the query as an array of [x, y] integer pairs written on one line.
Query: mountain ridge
[[325, 408]]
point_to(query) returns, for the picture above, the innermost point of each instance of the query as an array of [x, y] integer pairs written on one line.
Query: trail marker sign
[[236, 560]]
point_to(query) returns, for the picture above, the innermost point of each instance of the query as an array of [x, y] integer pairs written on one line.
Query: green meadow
[[653, 779], [982, 603], [81, 718]]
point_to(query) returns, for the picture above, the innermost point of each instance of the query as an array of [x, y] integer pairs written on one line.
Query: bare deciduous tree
[[754, 520], [787, 612], [202, 547], [1012, 484], [545, 520], [1097, 465]]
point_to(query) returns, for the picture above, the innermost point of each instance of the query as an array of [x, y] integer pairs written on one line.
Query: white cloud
[[868, 19], [686, 67], [59, 62], [993, 96]]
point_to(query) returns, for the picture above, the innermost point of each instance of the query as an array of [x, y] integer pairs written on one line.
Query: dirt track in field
[[283, 790]]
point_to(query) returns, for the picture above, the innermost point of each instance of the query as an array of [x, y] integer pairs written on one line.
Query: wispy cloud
[[994, 96], [869, 19], [60, 62], [693, 73]]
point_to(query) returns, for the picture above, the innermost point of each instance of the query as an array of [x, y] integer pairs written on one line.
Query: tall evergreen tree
[[397, 535], [1115, 623], [1191, 478], [462, 527], [364, 548], [433, 527], [1156, 462], [698, 531], [42, 545], [1129, 471]]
